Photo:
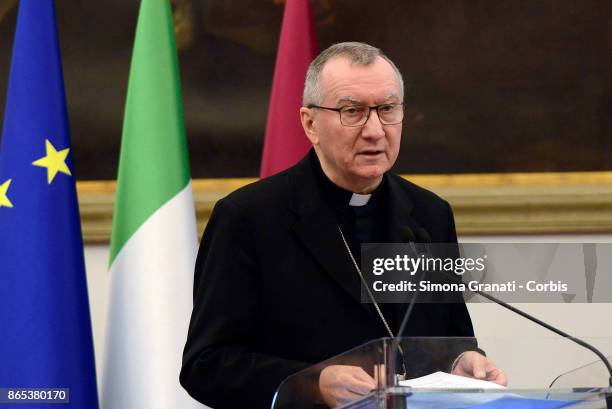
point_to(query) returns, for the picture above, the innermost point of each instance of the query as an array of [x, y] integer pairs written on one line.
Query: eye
[[352, 110], [386, 108]]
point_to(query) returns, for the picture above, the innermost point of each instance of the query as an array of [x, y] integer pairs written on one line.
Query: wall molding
[[509, 203]]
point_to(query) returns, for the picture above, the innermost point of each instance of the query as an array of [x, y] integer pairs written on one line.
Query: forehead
[[369, 84]]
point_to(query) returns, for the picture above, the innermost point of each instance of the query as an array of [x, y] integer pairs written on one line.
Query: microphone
[[422, 236], [410, 238]]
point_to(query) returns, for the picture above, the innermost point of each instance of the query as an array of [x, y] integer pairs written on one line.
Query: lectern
[[542, 373]]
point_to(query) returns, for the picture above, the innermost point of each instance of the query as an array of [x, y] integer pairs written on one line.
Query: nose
[[373, 128]]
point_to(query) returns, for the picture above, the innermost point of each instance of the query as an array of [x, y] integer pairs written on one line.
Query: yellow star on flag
[[55, 161], [4, 200]]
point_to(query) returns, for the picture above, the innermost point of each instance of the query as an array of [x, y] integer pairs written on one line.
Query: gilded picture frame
[[484, 204]]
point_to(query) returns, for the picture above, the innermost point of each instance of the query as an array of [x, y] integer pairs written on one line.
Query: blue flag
[[45, 329]]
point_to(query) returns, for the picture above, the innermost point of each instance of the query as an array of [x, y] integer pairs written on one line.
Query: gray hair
[[357, 53]]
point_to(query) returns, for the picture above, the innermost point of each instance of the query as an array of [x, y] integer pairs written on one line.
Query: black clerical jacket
[[275, 290]]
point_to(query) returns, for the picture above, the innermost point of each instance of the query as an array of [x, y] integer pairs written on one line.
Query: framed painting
[[509, 104]]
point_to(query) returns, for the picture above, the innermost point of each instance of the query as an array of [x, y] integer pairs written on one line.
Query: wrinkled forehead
[[343, 80]]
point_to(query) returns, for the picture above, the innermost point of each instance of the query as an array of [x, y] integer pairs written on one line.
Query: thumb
[[479, 368]]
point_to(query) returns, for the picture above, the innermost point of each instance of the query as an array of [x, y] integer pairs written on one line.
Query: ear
[[308, 123]]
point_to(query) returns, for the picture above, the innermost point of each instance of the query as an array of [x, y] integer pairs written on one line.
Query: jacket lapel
[[399, 220], [317, 228], [399, 208]]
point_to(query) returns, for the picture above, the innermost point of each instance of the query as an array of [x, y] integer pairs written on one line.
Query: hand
[[342, 383], [475, 365]]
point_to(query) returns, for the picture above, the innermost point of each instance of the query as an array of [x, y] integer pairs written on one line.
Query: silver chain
[[367, 287]]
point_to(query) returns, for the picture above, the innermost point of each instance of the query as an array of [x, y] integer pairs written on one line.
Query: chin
[[372, 172]]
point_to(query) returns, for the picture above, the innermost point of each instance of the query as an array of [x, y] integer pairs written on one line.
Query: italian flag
[[154, 238]]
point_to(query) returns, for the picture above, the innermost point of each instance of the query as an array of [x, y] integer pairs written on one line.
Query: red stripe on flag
[[285, 142]]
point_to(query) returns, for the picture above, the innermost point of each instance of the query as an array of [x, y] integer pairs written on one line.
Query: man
[[276, 288]]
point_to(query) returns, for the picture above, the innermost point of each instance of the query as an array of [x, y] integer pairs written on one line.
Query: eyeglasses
[[355, 115]]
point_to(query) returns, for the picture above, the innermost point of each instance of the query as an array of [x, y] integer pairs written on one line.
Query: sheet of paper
[[448, 381]]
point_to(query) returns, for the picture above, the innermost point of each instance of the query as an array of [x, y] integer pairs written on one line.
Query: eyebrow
[[349, 98], [390, 95]]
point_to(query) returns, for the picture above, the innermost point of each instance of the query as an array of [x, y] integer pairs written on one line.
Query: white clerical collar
[[359, 200]]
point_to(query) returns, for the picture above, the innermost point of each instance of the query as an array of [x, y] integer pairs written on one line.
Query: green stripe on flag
[[154, 163]]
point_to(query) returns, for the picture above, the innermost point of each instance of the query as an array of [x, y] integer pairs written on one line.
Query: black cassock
[[275, 290]]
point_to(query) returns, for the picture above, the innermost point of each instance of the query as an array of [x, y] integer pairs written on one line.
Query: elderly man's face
[[355, 157]]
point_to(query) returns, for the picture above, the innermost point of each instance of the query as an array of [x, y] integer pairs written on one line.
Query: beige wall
[[507, 338]]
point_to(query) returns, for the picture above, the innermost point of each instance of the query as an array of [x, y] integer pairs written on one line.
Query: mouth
[[371, 152]]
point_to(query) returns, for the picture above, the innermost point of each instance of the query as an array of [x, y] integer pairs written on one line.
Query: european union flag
[[45, 329]]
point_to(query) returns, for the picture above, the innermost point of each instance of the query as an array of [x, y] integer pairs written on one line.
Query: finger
[[494, 374], [360, 387], [459, 370], [362, 376], [502, 379], [479, 367], [347, 396], [490, 365], [498, 376]]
